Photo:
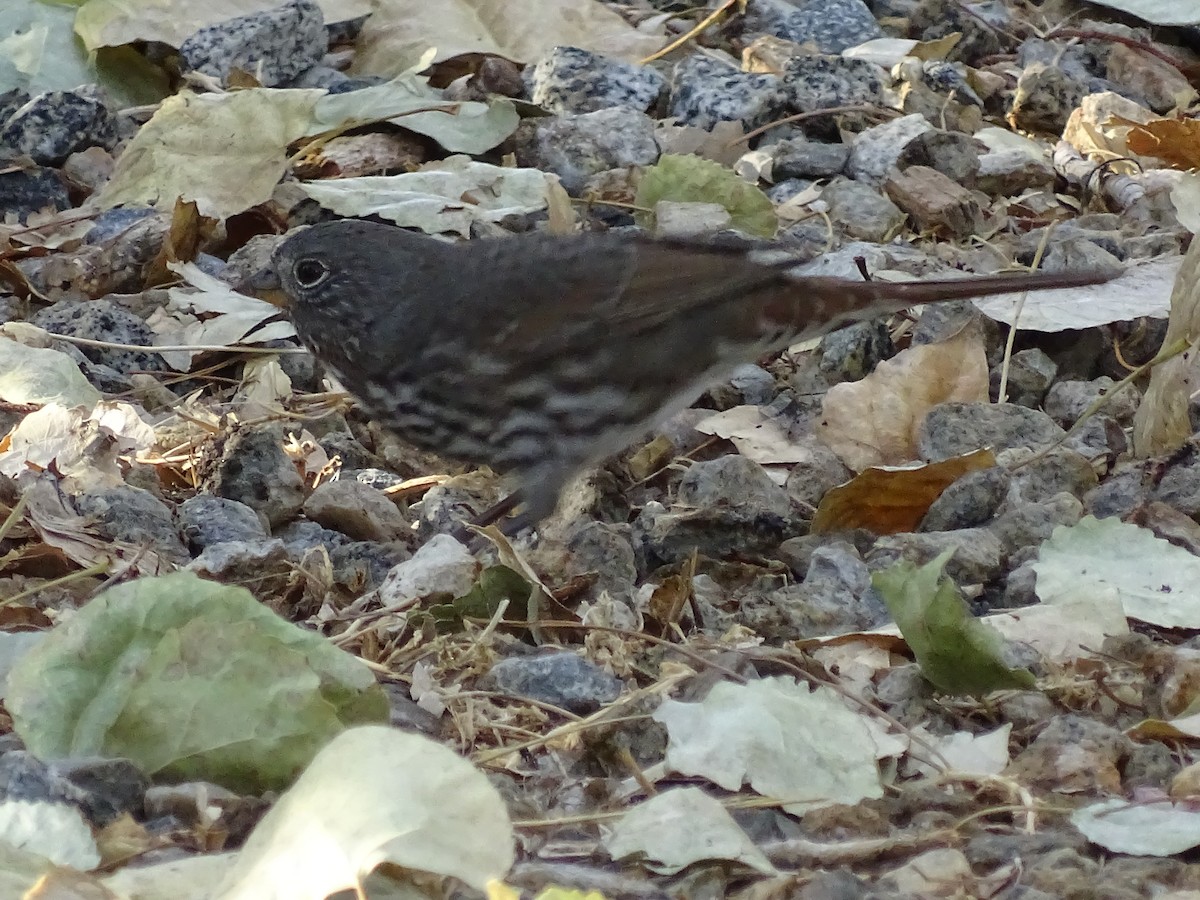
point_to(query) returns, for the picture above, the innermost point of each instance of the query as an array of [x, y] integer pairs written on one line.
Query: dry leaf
[[893, 500], [1161, 423], [874, 422]]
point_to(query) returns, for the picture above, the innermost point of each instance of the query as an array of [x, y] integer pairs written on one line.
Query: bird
[[542, 355]]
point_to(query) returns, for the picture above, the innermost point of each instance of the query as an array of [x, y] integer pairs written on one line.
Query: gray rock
[[1031, 524], [135, 516], [102, 320], [53, 125], [978, 554], [1067, 400], [875, 151], [1045, 98], [379, 479], [1125, 489], [904, 693], [754, 384], [800, 158], [952, 153], [250, 259], [824, 82], [565, 680], [705, 92], [262, 566], [724, 506], [112, 223], [357, 510], [1062, 469], [301, 536], [833, 25], [733, 482], [112, 787], [274, 46], [577, 147], [952, 429], [10, 101], [853, 352], [361, 566], [970, 501], [862, 212], [27, 191], [203, 520], [571, 80], [255, 470], [334, 81], [104, 378], [835, 596], [1020, 587], [662, 537], [812, 477], [102, 789], [797, 553], [607, 551], [950, 79], [1179, 485], [1007, 173], [675, 219], [1030, 374], [933, 19], [353, 454]]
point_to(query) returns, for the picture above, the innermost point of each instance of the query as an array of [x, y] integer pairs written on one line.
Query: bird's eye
[[310, 272]]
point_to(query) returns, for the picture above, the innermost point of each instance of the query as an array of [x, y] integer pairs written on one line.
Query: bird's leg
[[489, 516]]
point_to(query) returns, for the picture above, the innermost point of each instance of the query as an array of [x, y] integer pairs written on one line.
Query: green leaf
[[39, 51], [191, 680], [691, 179], [495, 585], [957, 653]]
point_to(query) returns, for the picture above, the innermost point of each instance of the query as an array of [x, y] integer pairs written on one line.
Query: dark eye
[[310, 272]]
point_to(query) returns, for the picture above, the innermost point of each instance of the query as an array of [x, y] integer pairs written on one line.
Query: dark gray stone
[[861, 211], [734, 482], [112, 787], [102, 320], [799, 158], [705, 92], [361, 566], [53, 125], [1031, 524], [204, 519], [1030, 374], [950, 79], [255, 470], [27, 191], [978, 554], [576, 147], [1066, 401], [970, 501], [357, 510], [952, 429], [952, 153], [833, 25], [853, 352], [1045, 98], [824, 82], [102, 789], [135, 516], [565, 680]]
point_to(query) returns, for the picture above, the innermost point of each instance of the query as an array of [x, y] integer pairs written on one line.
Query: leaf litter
[[734, 715]]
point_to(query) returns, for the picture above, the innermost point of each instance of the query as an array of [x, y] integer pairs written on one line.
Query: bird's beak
[[264, 284]]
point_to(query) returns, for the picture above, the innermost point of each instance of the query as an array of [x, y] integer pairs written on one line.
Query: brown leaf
[[893, 501]]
